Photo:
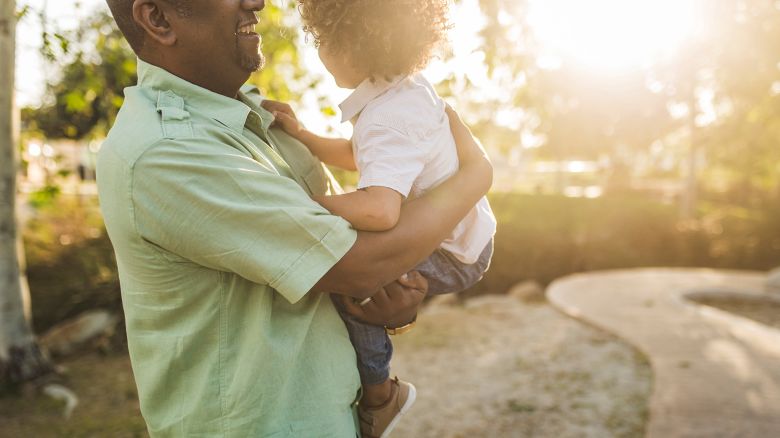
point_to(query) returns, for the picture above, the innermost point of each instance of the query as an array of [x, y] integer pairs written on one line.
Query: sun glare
[[611, 34]]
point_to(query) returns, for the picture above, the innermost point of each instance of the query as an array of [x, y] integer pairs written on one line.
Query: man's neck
[[173, 67]]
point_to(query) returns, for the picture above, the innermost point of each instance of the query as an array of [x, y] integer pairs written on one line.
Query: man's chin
[[252, 63]]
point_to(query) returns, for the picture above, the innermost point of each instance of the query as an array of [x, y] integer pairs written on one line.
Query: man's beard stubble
[[251, 63]]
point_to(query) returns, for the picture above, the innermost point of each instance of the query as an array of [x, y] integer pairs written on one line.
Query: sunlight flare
[[612, 34]]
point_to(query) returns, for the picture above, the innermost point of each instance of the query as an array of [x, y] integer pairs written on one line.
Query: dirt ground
[[498, 367], [493, 367], [108, 403]]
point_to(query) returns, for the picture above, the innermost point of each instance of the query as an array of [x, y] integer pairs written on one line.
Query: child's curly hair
[[385, 38]]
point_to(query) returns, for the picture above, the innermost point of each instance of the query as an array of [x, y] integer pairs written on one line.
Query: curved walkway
[[715, 374]]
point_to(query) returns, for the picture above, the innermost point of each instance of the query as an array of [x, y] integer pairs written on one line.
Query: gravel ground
[[498, 367]]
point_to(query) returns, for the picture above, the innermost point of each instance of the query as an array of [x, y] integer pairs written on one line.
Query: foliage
[[96, 64], [545, 237], [71, 265], [283, 78], [626, 116], [745, 67]]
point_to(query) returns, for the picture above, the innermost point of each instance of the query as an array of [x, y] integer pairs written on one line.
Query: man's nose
[[253, 5]]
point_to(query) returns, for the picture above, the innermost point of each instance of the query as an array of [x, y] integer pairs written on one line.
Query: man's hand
[[468, 147], [284, 117], [394, 305]]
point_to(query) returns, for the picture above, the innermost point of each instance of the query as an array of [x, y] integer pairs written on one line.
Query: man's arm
[[377, 258]]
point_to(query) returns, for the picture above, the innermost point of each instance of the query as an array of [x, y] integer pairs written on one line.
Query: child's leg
[[447, 274], [384, 400], [374, 351]]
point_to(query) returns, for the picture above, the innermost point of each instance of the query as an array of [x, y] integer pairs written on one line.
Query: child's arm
[[334, 151], [370, 209]]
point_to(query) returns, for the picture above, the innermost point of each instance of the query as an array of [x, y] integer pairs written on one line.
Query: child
[[402, 147]]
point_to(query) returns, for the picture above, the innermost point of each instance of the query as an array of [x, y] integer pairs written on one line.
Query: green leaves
[[95, 64]]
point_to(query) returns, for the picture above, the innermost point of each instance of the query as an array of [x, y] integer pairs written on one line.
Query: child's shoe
[[378, 422]]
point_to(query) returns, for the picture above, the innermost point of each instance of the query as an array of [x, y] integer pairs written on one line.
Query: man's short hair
[[122, 10]]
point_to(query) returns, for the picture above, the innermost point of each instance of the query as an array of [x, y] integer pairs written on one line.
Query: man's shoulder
[[138, 126], [148, 118]]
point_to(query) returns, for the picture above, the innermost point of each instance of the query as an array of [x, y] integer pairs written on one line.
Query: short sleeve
[[387, 157], [212, 205]]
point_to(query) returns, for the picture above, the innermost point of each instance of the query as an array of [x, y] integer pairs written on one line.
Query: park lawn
[[108, 403]]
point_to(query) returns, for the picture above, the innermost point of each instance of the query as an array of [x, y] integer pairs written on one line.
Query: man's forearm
[[378, 258]]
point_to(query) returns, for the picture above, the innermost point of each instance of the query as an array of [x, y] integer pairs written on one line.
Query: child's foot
[[379, 421]]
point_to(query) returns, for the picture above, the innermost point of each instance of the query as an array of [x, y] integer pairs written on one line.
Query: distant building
[[49, 159]]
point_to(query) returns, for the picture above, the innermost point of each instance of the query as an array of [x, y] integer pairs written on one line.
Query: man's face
[[219, 37]]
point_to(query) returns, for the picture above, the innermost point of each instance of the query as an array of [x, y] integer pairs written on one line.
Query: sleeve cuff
[[298, 280]]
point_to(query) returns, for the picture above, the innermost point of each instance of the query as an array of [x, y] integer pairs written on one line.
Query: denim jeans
[[445, 274]]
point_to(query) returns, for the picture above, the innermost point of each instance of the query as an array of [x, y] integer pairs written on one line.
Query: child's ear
[[151, 16]]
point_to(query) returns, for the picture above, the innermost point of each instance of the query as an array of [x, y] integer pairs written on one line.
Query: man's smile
[[247, 30]]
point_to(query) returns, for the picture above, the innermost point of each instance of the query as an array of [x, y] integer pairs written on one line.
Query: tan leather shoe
[[379, 421]]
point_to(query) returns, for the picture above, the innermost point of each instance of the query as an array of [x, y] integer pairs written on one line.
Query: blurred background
[[624, 133]]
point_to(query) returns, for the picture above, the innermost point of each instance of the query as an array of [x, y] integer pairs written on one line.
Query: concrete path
[[715, 374]]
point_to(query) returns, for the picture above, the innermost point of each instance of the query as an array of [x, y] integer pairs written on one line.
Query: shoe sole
[[404, 409]]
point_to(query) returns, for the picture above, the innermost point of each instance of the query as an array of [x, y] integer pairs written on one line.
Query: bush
[[546, 237], [70, 261]]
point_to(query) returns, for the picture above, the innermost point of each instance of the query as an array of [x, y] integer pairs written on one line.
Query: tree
[[96, 64], [20, 358]]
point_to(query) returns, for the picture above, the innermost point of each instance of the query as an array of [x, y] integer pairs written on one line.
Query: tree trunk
[[20, 358]]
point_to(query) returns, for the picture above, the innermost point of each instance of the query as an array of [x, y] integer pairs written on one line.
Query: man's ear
[[150, 15]]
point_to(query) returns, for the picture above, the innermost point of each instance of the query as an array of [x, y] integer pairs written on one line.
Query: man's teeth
[[246, 30]]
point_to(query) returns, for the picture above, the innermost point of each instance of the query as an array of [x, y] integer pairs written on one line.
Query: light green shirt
[[218, 244]]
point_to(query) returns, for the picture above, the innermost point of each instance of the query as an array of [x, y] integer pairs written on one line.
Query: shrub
[[70, 261], [546, 237]]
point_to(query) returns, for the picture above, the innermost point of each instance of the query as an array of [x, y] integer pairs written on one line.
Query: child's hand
[[284, 117]]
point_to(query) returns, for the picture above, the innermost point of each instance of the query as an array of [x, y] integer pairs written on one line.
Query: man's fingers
[[381, 298], [352, 307], [413, 280]]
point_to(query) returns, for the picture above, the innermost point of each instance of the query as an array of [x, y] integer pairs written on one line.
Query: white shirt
[[402, 141]]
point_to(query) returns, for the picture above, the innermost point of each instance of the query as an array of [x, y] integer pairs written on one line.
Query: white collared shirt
[[402, 140]]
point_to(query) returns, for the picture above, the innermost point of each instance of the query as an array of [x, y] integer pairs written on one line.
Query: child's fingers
[[270, 105], [283, 119], [273, 106]]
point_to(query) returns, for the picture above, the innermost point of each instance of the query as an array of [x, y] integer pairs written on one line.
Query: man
[[224, 259]]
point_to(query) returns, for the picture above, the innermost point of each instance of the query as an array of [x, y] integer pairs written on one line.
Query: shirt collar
[[228, 111], [363, 95]]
